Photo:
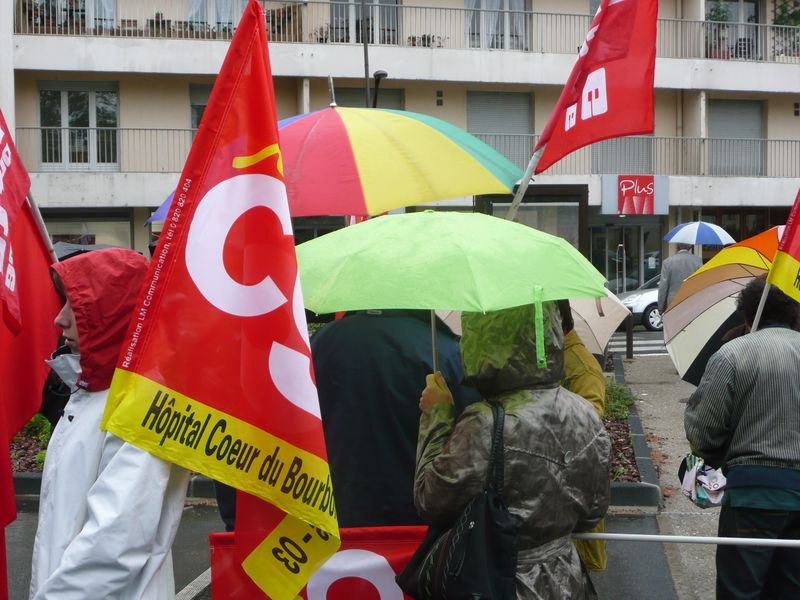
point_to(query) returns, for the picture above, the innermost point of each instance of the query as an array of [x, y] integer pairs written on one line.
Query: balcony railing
[[397, 25], [49, 149]]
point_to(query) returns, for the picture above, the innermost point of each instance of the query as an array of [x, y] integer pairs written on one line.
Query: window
[[498, 24], [79, 125], [736, 147], [382, 21], [732, 29], [198, 100]]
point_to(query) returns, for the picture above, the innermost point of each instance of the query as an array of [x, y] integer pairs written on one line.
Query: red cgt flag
[[364, 568], [28, 304], [610, 90], [216, 372], [785, 270]]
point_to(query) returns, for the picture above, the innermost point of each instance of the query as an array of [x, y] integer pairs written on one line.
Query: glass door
[[617, 253]]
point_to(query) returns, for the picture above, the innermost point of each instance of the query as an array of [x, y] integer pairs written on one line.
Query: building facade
[[105, 97]]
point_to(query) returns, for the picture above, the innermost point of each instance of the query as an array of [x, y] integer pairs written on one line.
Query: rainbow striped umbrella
[[366, 161]]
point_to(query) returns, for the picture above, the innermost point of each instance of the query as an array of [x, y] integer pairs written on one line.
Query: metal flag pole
[[523, 184], [434, 345], [688, 539], [331, 92], [42, 227], [760, 309]]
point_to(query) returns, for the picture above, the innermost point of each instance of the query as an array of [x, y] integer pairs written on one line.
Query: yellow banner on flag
[[187, 432], [785, 271]]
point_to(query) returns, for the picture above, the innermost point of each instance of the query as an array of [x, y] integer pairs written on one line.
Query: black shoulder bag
[[476, 559]]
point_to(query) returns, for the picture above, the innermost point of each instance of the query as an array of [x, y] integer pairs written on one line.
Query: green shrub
[[40, 459], [36, 425], [618, 400]]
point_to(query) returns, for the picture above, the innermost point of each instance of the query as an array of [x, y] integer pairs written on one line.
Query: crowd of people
[[409, 444]]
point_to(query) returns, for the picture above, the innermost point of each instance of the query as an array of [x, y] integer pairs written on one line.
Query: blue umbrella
[[161, 211], [699, 232]]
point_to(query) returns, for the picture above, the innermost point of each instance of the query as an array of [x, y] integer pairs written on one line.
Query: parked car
[[643, 303]]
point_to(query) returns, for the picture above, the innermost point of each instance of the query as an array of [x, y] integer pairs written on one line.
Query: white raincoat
[[108, 511]]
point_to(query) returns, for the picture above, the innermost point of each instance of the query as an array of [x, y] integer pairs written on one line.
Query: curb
[[647, 492], [29, 484]]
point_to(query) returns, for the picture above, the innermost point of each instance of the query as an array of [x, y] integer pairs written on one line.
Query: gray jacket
[[556, 450], [674, 270], [746, 410]]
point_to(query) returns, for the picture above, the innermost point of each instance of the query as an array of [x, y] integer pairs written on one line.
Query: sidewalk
[[659, 390]]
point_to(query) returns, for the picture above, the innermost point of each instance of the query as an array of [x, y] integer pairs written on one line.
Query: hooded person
[[108, 511], [556, 455]]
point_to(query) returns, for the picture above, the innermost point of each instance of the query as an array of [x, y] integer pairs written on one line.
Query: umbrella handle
[[434, 345]]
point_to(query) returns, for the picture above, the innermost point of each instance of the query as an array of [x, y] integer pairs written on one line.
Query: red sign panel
[[636, 194]]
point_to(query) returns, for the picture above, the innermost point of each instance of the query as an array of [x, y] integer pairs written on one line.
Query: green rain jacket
[[556, 449]]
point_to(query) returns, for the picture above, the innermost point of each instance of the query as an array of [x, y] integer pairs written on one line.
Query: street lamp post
[[366, 51], [379, 76]]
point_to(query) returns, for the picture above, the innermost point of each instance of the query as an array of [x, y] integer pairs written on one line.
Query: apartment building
[[105, 97]]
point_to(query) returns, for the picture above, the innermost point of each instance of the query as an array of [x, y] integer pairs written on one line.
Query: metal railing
[[165, 150], [397, 25]]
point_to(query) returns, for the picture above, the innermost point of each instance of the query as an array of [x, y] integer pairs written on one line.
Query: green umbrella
[[442, 260]]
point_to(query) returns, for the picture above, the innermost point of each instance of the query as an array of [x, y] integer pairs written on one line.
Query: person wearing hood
[[556, 455], [108, 511]]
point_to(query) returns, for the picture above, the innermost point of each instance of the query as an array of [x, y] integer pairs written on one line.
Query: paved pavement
[[660, 402]]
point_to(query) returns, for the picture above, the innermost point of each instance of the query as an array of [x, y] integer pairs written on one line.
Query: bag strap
[[496, 471]]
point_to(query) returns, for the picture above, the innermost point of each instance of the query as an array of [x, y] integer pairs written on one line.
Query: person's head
[[65, 319], [778, 308], [684, 247], [498, 349], [99, 290], [567, 322]]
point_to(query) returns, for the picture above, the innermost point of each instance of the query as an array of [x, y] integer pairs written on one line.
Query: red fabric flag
[[216, 372], [29, 304], [364, 567], [610, 90], [785, 270]]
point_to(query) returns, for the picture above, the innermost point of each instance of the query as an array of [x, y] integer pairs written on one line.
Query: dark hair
[[58, 284], [567, 322], [779, 308], [682, 246]]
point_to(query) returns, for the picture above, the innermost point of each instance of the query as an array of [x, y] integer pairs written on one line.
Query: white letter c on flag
[[215, 215]]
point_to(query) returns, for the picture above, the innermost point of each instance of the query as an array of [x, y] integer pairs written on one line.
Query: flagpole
[[523, 184], [434, 345], [760, 309], [42, 226]]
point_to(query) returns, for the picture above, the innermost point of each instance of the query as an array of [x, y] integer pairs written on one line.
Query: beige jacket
[[556, 450]]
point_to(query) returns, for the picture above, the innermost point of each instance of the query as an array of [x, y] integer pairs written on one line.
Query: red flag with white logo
[[216, 371], [364, 568], [610, 90], [28, 304]]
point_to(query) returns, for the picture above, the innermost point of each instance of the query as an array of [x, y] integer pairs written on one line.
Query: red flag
[[610, 90], [216, 372], [364, 567], [785, 270], [29, 304]]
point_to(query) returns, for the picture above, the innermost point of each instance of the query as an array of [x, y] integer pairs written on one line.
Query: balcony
[[316, 22], [122, 150], [650, 155]]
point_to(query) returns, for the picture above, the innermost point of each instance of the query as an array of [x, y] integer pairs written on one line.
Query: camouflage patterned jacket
[[556, 450]]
